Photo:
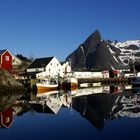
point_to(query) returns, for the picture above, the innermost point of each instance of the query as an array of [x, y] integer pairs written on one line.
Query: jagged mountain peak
[[95, 53], [92, 40], [93, 36], [79, 56]]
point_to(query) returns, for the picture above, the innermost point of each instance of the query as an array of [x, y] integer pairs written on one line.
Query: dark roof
[[62, 63], [41, 62], [2, 51], [23, 58]]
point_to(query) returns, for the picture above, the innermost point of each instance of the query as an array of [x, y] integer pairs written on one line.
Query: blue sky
[[43, 28]]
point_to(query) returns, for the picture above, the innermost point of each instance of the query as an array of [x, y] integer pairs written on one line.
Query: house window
[[37, 69], [7, 119], [6, 58]]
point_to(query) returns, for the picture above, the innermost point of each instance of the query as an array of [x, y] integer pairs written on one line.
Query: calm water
[[92, 113]]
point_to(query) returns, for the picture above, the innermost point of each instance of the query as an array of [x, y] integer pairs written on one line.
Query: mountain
[[128, 52], [98, 54]]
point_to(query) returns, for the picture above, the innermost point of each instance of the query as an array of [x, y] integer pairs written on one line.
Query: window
[[6, 58], [37, 69], [7, 119]]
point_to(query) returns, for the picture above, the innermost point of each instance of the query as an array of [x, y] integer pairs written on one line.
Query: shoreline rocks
[[8, 83]]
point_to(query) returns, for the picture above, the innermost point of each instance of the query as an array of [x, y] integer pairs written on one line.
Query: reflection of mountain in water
[[127, 105], [112, 89], [94, 105], [50, 102], [100, 107]]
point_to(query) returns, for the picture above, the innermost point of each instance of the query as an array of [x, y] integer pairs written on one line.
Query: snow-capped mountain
[[96, 53], [128, 51]]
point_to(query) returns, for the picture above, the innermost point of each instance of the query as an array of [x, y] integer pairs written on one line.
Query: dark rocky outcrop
[[78, 57], [94, 54], [102, 59]]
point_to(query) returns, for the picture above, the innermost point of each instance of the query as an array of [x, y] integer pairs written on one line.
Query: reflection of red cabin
[[6, 118], [5, 60], [114, 73]]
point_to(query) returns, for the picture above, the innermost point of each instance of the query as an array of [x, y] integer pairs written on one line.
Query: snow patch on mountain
[[82, 49], [129, 50], [126, 43]]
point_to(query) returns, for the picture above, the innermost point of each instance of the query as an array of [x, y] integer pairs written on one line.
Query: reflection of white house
[[48, 67], [129, 74], [54, 100], [86, 91]]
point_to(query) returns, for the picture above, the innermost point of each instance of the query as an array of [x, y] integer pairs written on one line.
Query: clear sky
[[43, 28]]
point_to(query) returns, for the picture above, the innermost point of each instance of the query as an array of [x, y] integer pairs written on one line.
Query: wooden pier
[[106, 80], [29, 83]]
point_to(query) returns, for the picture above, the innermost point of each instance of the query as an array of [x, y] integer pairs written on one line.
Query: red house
[[5, 60]]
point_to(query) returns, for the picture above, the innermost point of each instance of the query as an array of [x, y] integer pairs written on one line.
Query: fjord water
[[91, 113]]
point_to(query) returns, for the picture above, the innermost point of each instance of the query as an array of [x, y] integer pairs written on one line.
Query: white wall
[[16, 61], [35, 69], [66, 68], [87, 74], [53, 69]]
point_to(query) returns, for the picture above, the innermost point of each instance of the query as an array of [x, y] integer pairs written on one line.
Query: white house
[[16, 62], [45, 67], [48, 67], [66, 68]]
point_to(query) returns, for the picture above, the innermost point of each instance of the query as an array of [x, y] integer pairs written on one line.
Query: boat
[[70, 83], [47, 93], [46, 85]]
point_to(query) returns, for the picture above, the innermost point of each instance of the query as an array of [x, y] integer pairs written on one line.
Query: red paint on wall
[[6, 61]]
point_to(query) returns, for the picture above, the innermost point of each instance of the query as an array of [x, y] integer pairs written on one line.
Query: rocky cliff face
[[78, 57], [8, 83], [98, 54]]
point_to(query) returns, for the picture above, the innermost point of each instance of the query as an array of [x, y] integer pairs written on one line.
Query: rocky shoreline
[[8, 83]]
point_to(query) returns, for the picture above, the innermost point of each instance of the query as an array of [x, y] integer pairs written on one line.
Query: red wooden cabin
[[5, 60]]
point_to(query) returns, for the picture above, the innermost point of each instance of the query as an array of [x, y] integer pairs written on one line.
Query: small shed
[[6, 60]]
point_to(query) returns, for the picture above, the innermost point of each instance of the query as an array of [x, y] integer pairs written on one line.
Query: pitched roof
[[41, 62], [23, 58]]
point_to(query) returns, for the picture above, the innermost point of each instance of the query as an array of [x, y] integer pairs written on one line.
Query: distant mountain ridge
[[98, 54]]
